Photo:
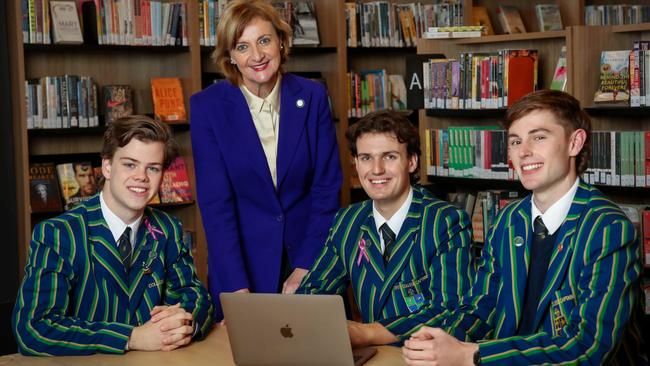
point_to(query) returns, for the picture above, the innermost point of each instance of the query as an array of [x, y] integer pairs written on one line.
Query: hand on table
[[433, 346], [170, 327]]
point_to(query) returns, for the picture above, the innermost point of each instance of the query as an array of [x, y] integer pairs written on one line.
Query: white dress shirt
[[555, 215], [116, 225], [266, 118], [395, 222]]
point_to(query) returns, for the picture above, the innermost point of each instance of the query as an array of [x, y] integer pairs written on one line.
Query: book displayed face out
[[65, 22]]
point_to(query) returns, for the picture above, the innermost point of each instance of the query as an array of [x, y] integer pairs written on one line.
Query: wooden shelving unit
[[135, 65]]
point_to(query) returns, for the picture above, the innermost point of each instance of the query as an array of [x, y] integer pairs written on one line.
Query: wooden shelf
[[502, 38], [366, 50], [619, 111], [641, 27], [102, 48], [300, 50], [81, 131], [467, 113]]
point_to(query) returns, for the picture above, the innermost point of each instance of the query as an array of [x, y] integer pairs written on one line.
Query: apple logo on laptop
[[286, 331]]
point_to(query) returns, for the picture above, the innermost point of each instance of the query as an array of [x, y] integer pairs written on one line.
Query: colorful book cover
[[175, 186], [168, 101], [44, 188], [118, 102], [77, 182], [548, 17], [521, 74], [559, 77], [614, 77]]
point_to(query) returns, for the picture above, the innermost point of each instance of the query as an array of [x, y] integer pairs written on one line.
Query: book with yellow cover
[[168, 101]]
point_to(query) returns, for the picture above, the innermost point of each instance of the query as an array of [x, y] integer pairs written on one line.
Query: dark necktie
[[540, 255], [124, 246], [389, 240]]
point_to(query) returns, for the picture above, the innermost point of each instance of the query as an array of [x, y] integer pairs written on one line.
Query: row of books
[[372, 90], [623, 76], [71, 101], [62, 102], [209, 14], [482, 207], [640, 217], [619, 158], [480, 80], [468, 152], [54, 188], [116, 22], [387, 24], [616, 14]]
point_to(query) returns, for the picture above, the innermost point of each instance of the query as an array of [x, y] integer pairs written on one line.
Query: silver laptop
[[276, 329]]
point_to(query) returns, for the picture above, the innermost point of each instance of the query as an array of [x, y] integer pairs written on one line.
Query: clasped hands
[[433, 346], [170, 327]]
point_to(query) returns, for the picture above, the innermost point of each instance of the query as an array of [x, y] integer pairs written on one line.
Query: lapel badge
[[146, 269], [300, 103], [560, 247], [519, 241]]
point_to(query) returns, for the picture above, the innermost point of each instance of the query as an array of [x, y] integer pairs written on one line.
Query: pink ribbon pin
[[362, 251], [152, 230]]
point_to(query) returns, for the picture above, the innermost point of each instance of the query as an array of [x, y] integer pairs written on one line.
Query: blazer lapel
[[562, 252], [238, 125], [142, 276], [294, 108], [401, 252], [107, 262], [512, 251]]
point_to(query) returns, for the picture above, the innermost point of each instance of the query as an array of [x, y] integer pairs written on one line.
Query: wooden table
[[212, 351]]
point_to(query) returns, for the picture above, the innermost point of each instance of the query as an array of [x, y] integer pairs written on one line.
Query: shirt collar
[[396, 221], [115, 224], [256, 103], [555, 215]]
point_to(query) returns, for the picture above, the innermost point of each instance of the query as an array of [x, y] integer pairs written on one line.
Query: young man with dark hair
[[405, 253], [112, 274], [558, 281]]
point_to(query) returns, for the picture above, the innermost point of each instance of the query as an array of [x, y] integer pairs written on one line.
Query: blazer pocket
[[412, 294], [562, 304]]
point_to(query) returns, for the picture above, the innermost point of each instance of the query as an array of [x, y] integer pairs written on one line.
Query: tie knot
[[126, 235], [539, 228], [387, 233]]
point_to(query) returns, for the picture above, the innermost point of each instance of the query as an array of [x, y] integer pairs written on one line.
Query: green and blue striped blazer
[[589, 310], [76, 297], [427, 273]]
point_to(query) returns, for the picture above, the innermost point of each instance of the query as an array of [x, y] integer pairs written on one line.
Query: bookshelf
[[136, 65]]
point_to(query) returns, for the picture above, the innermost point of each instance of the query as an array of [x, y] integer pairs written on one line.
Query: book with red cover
[[521, 67], [44, 188], [175, 186]]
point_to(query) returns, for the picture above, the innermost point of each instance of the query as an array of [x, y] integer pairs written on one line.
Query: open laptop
[[276, 329]]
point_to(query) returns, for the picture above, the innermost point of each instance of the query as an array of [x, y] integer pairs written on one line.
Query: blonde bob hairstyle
[[231, 26]]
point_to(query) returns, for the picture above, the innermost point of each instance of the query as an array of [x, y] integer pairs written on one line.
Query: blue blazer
[[589, 310], [76, 297], [247, 220], [428, 272]]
